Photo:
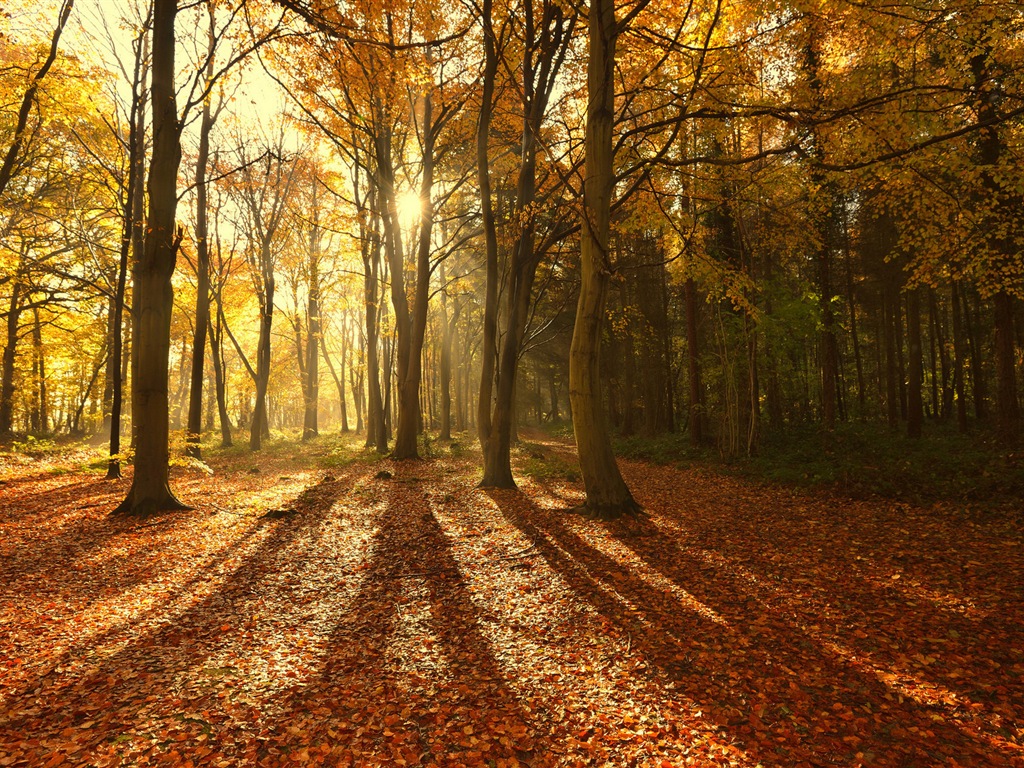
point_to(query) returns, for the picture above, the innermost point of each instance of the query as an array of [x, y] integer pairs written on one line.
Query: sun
[[410, 208]]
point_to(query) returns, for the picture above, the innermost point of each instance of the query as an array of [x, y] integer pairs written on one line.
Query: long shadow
[[43, 561], [818, 567], [147, 688], [408, 673], [765, 682], [785, 625]]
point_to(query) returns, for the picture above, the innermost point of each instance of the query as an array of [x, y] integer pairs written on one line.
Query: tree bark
[[696, 388], [915, 369], [607, 494], [194, 426], [490, 339], [216, 335], [1008, 409], [7, 365], [150, 490]]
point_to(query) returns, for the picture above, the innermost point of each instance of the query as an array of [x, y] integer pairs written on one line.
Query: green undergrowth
[[865, 460], [542, 465]]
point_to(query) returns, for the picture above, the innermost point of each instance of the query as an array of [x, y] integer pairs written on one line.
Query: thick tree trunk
[[490, 339], [607, 493], [150, 489]]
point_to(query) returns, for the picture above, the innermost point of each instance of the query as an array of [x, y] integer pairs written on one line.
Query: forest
[[511, 382]]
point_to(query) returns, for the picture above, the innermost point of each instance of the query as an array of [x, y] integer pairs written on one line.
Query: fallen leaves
[[399, 616]]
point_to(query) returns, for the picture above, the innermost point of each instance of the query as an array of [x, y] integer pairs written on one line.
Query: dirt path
[[417, 620]]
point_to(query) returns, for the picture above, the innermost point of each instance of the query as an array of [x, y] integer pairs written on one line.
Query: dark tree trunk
[[608, 496], [217, 355], [40, 416], [260, 427], [9, 355], [194, 429], [1006, 379], [959, 362], [150, 490], [915, 369], [696, 388]]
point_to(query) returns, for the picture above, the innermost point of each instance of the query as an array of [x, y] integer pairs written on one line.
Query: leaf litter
[[393, 614]]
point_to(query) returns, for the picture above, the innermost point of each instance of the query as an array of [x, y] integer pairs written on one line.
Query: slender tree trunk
[[1006, 379], [915, 369], [343, 364], [260, 421], [696, 388], [959, 362], [607, 493], [310, 422], [446, 364], [194, 429], [891, 371], [939, 332], [9, 355], [40, 414], [216, 335]]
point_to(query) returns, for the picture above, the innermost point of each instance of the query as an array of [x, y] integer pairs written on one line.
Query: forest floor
[[392, 614]]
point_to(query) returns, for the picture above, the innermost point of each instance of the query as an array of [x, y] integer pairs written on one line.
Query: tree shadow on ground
[[764, 680], [97, 698], [408, 677], [905, 594]]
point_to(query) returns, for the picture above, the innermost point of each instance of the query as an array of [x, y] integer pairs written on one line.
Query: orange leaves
[[723, 630]]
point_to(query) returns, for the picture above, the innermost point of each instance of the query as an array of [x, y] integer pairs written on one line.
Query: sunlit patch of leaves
[[398, 615]]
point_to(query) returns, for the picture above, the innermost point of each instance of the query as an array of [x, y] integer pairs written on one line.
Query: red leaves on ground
[[420, 621]]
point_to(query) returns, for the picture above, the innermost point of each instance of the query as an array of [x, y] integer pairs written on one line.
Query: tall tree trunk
[[194, 427], [489, 351], [696, 388], [915, 369], [410, 351], [7, 365], [959, 362], [150, 490], [891, 372], [40, 417], [607, 493], [310, 422], [260, 421], [446, 363], [1008, 409], [216, 335]]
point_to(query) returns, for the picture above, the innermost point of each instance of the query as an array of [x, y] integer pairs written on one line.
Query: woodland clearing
[[322, 606]]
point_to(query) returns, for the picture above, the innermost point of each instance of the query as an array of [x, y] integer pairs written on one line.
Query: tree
[[150, 490], [608, 496], [28, 100]]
